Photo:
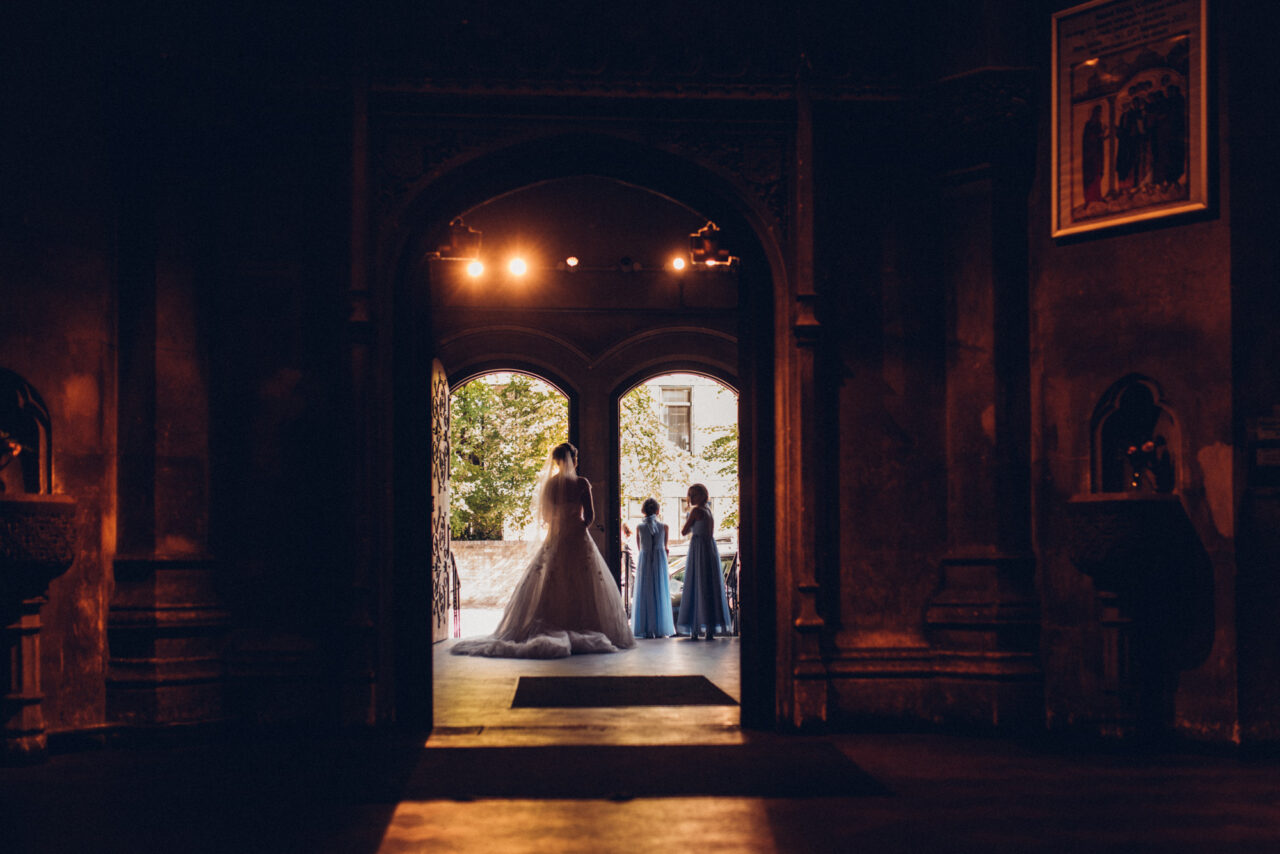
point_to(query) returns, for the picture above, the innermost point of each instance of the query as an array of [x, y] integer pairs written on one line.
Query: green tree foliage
[[500, 433], [722, 452], [648, 457]]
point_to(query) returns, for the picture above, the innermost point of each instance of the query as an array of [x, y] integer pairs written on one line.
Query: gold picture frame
[[1130, 121]]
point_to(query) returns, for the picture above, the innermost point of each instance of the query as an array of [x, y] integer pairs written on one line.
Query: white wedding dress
[[567, 601]]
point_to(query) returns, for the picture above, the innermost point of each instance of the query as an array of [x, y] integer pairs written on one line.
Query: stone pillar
[[165, 631], [983, 621], [360, 639], [164, 625], [591, 431], [811, 686]]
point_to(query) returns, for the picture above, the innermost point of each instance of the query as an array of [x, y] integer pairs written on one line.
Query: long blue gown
[[651, 608], [702, 602]]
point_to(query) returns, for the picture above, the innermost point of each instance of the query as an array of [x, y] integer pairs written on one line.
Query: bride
[[567, 600]]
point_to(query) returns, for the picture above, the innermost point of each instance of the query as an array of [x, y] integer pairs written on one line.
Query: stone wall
[[1153, 301], [57, 333], [489, 570]]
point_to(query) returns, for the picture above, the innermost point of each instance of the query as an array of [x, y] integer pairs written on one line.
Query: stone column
[[591, 431], [983, 621], [164, 625], [360, 646], [810, 695]]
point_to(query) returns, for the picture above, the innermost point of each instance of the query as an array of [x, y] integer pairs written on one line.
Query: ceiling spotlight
[[677, 263], [475, 269], [517, 267], [705, 248], [571, 261], [464, 242]]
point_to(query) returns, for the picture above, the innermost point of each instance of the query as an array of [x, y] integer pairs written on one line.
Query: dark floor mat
[[581, 692], [788, 769]]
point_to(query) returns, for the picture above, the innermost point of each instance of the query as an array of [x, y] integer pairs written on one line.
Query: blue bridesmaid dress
[[702, 602], [651, 608]]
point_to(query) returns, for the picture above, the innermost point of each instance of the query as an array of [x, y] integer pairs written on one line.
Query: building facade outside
[[695, 411]]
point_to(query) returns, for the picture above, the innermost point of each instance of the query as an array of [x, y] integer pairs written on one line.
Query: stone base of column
[[165, 631], [983, 626], [812, 697], [896, 687]]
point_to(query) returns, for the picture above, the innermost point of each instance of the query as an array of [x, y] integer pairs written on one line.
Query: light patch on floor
[[722, 825], [473, 698]]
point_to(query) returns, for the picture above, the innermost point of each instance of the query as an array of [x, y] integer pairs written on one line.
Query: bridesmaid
[[702, 602], [651, 610]]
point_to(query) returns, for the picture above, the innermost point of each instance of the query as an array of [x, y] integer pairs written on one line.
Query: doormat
[[583, 692], [786, 767]]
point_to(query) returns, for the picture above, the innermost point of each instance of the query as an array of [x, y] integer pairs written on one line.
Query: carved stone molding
[[984, 114], [408, 156], [758, 162], [37, 544], [37, 541]]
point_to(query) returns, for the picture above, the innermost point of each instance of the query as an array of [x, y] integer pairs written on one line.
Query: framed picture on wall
[[1130, 129]]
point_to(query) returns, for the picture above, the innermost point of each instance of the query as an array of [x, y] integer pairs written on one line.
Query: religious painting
[[1130, 132]]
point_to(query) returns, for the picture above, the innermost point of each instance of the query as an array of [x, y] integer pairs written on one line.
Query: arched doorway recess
[[717, 370], [676, 428], [419, 227]]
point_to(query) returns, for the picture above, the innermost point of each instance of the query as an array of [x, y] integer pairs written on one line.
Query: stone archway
[[418, 226]]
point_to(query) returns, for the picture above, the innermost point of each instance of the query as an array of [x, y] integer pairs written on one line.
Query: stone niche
[[1134, 440], [1151, 574], [37, 544]]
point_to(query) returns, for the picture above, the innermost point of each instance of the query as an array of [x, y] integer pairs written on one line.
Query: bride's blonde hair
[[562, 452]]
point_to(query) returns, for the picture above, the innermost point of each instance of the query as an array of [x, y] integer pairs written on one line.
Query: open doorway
[[675, 430], [502, 426]]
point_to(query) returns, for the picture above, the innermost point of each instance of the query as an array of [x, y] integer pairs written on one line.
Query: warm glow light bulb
[[677, 263], [474, 269], [571, 261], [517, 267]]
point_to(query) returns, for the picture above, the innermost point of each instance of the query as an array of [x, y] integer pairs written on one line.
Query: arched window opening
[[675, 430], [1135, 439], [502, 426]]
